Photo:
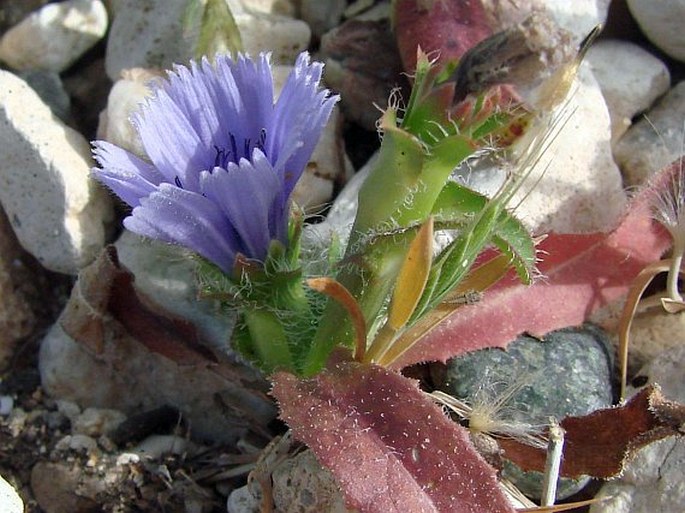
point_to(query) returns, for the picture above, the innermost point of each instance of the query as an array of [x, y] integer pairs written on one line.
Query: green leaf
[[459, 204], [396, 172], [269, 341], [482, 221]]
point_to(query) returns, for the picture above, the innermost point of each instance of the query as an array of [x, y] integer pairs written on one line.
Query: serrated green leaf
[[460, 204]]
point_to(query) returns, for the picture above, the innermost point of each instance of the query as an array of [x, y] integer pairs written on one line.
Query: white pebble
[[55, 36]]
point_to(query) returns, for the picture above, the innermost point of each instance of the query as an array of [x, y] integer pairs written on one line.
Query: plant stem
[[674, 270], [555, 449]]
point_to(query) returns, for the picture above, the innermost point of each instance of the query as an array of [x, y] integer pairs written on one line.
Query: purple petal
[[170, 140], [300, 115], [187, 218], [254, 83], [193, 92], [246, 194], [129, 177]]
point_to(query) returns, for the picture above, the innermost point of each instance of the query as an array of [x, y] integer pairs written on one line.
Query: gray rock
[[662, 23], [146, 34], [569, 373], [57, 212], [654, 142], [653, 481], [174, 287], [55, 36], [10, 502], [322, 16], [49, 87], [13, 11], [6, 405], [630, 78], [363, 64]]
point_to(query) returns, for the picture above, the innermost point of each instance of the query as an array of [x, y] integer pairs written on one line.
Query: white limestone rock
[[653, 481], [283, 36], [654, 142], [630, 78], [96, 422], [10, 502], [662, 23], [652, 333], [322, 16], [284, 7], [327, 167], [49, 86], [149, 34], [581, 189], [154, 447], [55, 36], [173, 286], [57, 212]]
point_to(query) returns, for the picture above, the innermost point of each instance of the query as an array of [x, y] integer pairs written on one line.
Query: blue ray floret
[[222, 156]]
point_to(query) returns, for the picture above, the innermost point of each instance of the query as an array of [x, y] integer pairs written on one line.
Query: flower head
[[222, 156]]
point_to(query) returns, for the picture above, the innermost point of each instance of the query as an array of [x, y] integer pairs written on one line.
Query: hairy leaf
[[581, 273], [390, 447]]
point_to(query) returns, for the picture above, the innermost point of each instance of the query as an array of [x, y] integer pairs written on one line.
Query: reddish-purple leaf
[[581, 274], [390, 447]]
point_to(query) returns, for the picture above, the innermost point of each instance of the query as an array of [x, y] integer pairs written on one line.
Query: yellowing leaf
[[412, 277]]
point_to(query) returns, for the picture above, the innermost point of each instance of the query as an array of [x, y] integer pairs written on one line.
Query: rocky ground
[[91, 418]]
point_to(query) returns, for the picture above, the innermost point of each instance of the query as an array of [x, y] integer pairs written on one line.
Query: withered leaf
[[105, 294], [602, 443]]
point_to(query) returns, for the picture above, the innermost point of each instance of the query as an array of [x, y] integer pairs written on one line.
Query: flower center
[[234, 152]]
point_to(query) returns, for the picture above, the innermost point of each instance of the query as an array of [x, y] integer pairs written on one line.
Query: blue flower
[[222, 156]]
